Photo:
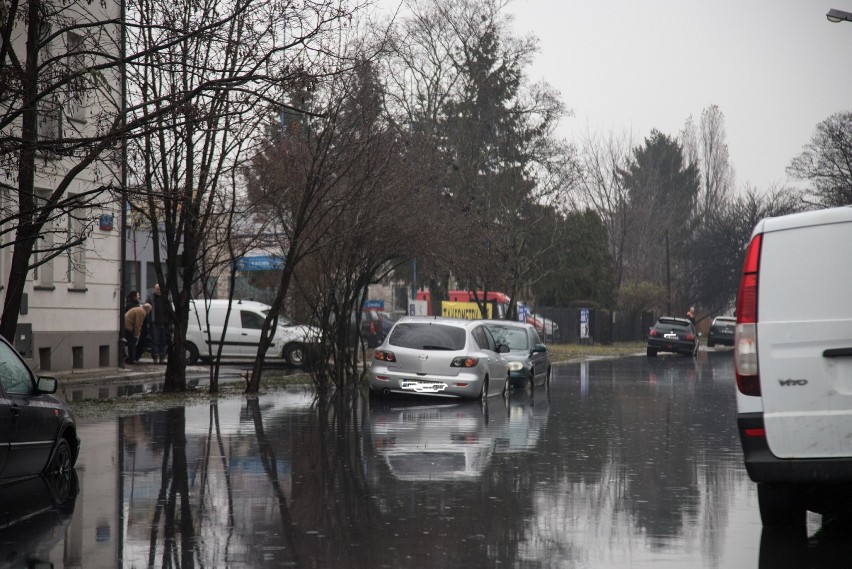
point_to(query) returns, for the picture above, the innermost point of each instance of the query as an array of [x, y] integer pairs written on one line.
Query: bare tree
[[602, 188], [717, 173], [225, 63], [323, 183], [826, 162]]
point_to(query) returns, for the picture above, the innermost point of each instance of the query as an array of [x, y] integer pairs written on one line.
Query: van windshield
[[282, 320]]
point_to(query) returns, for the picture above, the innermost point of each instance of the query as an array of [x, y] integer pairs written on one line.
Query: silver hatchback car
[[440, 357]]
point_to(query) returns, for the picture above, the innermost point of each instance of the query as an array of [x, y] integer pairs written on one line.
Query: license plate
[[422, 386]]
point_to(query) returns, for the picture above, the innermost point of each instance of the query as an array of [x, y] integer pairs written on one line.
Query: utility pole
[[668, 275]]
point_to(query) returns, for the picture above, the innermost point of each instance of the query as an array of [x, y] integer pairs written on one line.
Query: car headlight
[[516, 366]]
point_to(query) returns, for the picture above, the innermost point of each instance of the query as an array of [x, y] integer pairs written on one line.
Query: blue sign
[[261, 263], [105, 222], [584, 323], [374, 305]]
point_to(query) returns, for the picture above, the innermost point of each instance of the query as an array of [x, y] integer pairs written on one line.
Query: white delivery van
[[793, 359], [206, 330]]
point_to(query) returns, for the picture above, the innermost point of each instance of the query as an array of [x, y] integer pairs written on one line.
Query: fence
[[604, 326]]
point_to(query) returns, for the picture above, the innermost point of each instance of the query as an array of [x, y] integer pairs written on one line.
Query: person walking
[[690, 315], [157, 325], [133, 321]]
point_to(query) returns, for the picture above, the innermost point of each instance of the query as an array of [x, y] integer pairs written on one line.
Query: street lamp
[[838, 16]]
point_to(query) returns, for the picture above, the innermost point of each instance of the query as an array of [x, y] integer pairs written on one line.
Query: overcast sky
[[775, 68]]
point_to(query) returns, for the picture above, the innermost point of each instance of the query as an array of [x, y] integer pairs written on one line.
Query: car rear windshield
[[427, 336], [664, 326]]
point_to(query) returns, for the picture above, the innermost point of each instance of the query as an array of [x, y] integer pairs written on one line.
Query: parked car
[[441, 357], [241, 336], [38, 431], [793, 365], [722, 331], [672, 334], [529, 360]]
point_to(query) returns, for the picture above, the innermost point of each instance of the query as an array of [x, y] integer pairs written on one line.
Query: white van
[[242, 335], [793, 359]]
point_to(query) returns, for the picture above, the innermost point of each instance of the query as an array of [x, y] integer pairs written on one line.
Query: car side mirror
[[47, 385], [503, 349], [538, 348]]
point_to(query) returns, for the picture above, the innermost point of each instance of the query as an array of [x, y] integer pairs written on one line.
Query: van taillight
[[745, 338]]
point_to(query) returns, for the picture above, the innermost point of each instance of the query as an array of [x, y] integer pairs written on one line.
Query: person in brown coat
[[133, 321]]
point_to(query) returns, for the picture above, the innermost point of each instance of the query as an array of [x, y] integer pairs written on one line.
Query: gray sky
[[775, 68]]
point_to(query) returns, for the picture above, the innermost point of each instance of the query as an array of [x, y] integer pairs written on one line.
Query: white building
[[69, 316]]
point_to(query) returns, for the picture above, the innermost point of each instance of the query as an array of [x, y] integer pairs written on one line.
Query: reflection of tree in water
[[651, 447], [331, 503], [178, 532]]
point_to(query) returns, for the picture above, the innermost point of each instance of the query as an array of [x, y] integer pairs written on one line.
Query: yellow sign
[[463, 310]]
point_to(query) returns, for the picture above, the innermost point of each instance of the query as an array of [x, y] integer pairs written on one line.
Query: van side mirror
[[538, 348], [503, 349]]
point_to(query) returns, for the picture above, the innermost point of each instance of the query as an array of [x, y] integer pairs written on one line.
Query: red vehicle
[[500, 300]]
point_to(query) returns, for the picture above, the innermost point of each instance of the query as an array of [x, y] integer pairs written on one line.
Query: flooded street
[[631, 462]]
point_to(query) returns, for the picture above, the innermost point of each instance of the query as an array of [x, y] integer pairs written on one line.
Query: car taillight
[[690, 337], [384, 356], [652, 332], [745, 335], [464, 362]]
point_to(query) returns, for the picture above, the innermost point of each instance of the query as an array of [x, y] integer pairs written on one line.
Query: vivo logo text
[[792, 382]]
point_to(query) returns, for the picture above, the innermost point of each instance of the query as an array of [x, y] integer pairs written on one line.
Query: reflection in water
[[35, 516], [620, 463]]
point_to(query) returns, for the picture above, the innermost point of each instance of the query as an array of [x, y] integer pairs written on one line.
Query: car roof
[[234, 303], [511, 323], [460, 322]]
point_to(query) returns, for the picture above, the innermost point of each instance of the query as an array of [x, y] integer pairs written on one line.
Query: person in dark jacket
[[157, 325]]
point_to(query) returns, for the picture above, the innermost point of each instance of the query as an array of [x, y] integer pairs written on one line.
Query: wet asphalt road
[[631, 462]]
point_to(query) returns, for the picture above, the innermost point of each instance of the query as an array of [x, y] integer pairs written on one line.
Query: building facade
[[69, 316]]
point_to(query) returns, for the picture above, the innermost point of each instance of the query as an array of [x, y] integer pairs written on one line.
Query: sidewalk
[[136, 372]]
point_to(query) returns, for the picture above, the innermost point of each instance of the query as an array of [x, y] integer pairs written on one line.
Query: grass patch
[[570, 352]]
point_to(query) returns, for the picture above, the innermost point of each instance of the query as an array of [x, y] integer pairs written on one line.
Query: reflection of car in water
[[441, 442], [432, 442], [34, 517]]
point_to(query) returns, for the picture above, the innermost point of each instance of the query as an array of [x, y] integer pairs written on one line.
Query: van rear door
[[804, 335]]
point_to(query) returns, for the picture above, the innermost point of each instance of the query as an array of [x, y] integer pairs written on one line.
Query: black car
[[722, 331], [38, 432], [671, 334]]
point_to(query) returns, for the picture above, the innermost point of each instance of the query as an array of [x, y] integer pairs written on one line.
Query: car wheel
[[61, 462], [710, 344], [483, 393], [781, 506], [532, 379], [695, 351], [651, 353], [191, 354], [547, 377], [505, 392], [294, 354]]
